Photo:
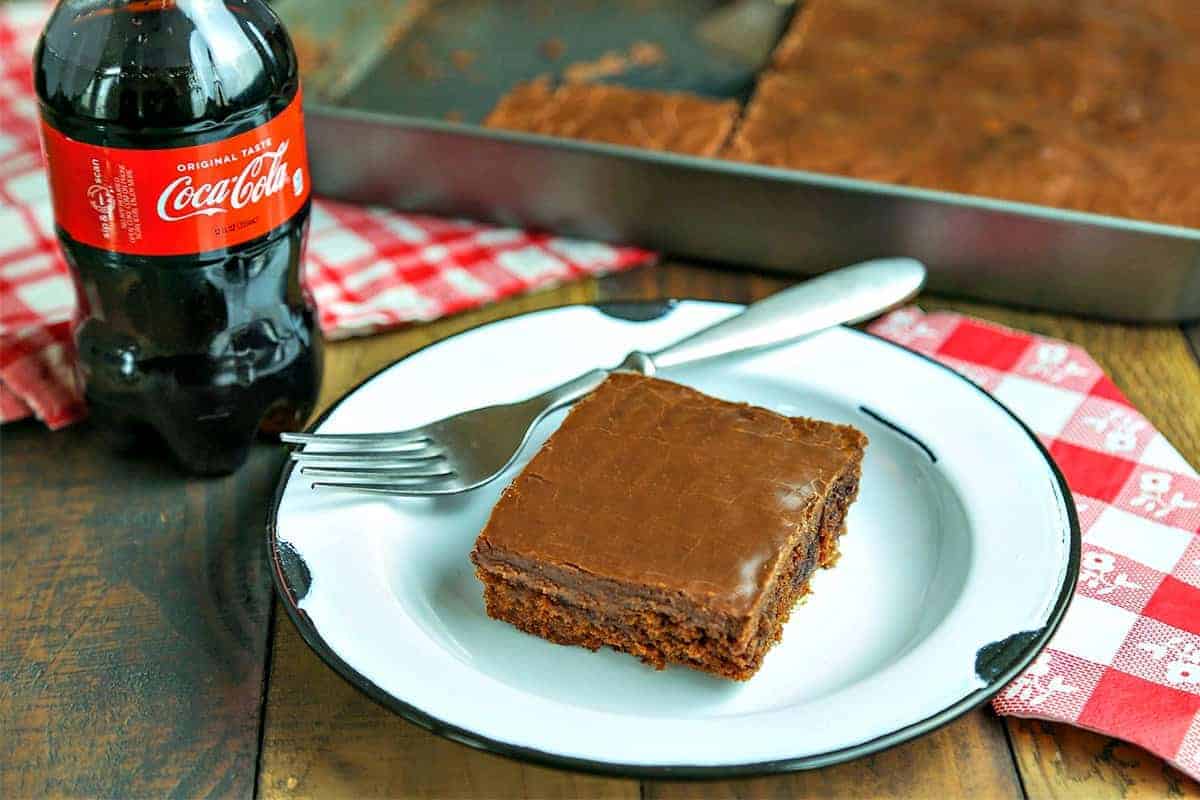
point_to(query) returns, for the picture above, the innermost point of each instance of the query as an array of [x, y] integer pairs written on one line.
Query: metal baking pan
[[382, 139]]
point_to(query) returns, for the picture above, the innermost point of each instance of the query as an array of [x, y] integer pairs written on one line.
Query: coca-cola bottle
[[176, 154]]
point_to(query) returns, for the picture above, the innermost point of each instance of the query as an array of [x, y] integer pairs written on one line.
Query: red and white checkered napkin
[[368, 269], [1126, 661]]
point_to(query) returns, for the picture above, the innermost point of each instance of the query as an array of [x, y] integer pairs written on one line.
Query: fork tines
[[386, 463]]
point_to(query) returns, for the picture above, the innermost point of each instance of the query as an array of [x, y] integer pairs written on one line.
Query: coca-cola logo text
[[167, 201], [263, 176]]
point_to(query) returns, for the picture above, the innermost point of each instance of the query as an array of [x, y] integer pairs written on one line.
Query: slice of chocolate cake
[[672, 121], [670, 525]]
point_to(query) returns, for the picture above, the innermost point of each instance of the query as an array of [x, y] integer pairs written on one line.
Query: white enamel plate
[[959, 560]]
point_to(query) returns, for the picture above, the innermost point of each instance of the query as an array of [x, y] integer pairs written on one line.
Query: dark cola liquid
[[199, 350]]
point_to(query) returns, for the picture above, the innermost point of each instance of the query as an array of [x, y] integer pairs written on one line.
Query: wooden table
[[144, 654]]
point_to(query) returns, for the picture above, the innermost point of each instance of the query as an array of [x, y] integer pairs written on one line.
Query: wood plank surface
[[1059, 761], [967, 758], [135, 612]]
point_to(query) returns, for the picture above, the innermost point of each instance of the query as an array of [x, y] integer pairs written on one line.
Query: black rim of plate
[[1006, 661]]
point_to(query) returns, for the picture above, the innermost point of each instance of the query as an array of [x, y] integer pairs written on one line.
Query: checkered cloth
[[1126, 661], [368, 269]]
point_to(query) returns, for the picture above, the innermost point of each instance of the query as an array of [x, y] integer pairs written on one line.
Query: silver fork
[[467, 450]]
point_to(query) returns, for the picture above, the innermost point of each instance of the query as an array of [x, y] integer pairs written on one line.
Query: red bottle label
[[180, 200]]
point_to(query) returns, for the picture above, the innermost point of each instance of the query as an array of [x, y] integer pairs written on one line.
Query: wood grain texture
[[1192, 332], [135, 612], [967, 758], [1058, 761]]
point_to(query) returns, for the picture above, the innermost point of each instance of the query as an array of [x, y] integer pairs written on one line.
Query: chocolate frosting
[[652, 483]]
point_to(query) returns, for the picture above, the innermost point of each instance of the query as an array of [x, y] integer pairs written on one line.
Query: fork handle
[[840, 297]]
